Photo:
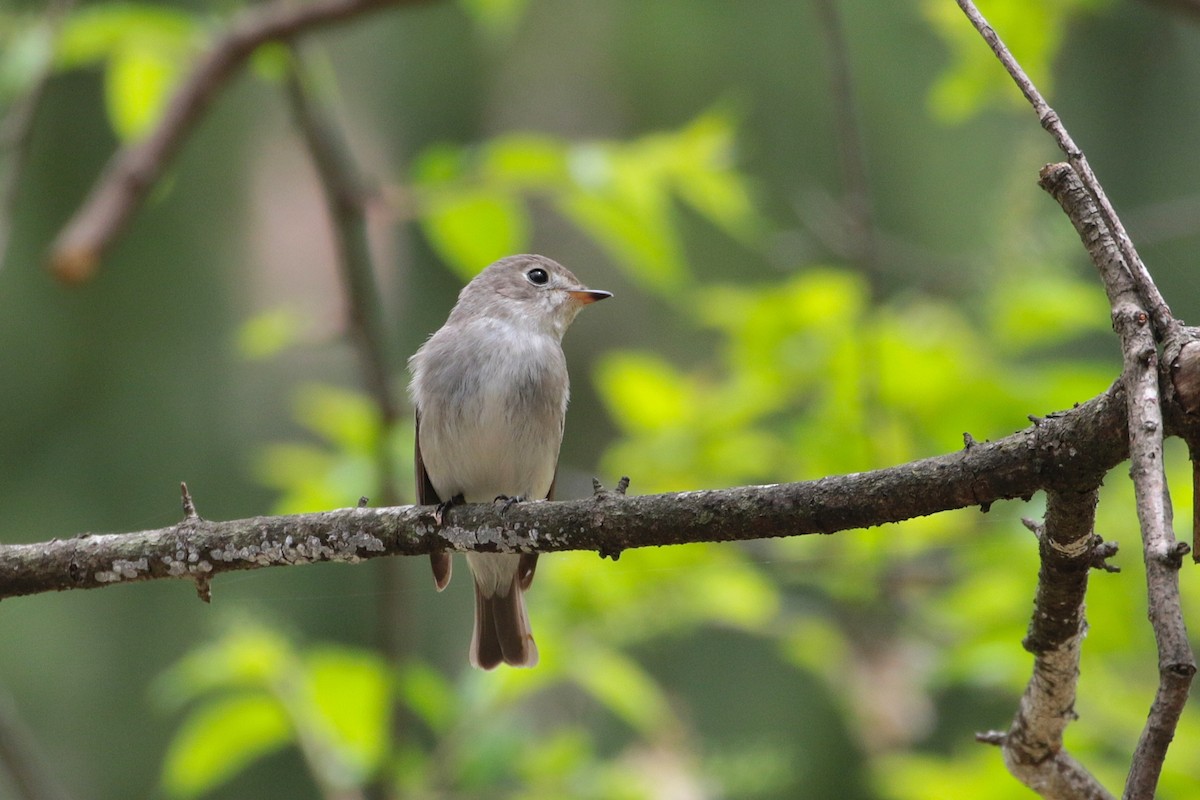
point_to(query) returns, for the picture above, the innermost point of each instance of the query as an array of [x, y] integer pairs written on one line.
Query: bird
[[490, 391]]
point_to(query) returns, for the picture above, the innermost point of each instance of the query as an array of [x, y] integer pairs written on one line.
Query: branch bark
[[1033, 747], [858, 240], [1152, 300], [1140, 316], [1162, 552], [27, 770], [16, 127], [134, 169], [1071, 449], [345, 192], [1186, 7]]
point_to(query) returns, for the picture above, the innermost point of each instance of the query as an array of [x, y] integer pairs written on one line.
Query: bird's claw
[[439, 511], [507, 502]]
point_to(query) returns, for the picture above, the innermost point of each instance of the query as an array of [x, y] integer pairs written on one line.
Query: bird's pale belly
[[480, 457]]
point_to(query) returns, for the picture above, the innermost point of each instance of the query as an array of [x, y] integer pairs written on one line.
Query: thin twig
[[345, 192], [1162, 552], [27, 770], [134, 170], [1033, 747], [1139, 317], [858, 239], [1189, 7], [1152, 300], [1194, 457], [16, 128]]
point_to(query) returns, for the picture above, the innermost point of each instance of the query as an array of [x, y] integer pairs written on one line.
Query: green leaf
[[977, 772], [438, 164], [620, 198], [622, 687], [95, 32], [1032, 29], [145, 49], [301, 472], [271, 61], [268, 333], [645, 392], [248, 657], [640, 239], [471, 228], [559, 755], [25, 51], [428, 694], [340, 416], [1045, 309], [702, 167], [339, 471], [220, 739], [351, 693], [499, 18], [525, 161], [136, 88]]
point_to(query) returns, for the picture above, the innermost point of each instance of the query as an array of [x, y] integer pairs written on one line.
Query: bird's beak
[[588, 296]]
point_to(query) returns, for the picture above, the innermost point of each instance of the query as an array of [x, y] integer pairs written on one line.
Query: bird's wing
[[439, 560], [528, 562]]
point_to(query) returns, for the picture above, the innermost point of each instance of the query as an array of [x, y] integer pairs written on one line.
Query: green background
[[749, 341]]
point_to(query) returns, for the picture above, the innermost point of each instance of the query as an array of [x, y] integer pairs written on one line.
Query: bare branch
[[29, 773], [1186, 7], [1062, 182], [16, 128], [1151, 299], [1162, 552], [1071, 449], [345, 192], [1033, 747], [858, 239], [134, 169], [345, 196], [1140, 316]]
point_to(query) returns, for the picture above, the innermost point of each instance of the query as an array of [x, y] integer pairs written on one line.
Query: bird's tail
[[502, 633]]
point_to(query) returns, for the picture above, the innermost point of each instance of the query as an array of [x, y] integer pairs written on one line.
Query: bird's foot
[[507, 502], [439, 511]]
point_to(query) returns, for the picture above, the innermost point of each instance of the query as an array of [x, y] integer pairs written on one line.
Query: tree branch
[[1140, 316], [28, 771], [16, 128], [1164, 322], [1162, 552], [1187, 7], [1071, 449], [858, 239], [134, 169], [1033, 746], [344, 192], [345, 195]]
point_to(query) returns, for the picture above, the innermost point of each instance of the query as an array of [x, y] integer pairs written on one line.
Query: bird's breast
[[492, 408]]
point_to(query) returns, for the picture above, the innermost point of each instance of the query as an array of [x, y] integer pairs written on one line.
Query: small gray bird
[[490, 389]]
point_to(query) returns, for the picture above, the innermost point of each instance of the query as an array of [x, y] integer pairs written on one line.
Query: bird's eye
[[538, 276]]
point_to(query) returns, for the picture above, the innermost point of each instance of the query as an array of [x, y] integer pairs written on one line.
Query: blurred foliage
[[144, 50], [796, 375], [473, 208], [1032, 29], [253, 693], [809, 376]]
